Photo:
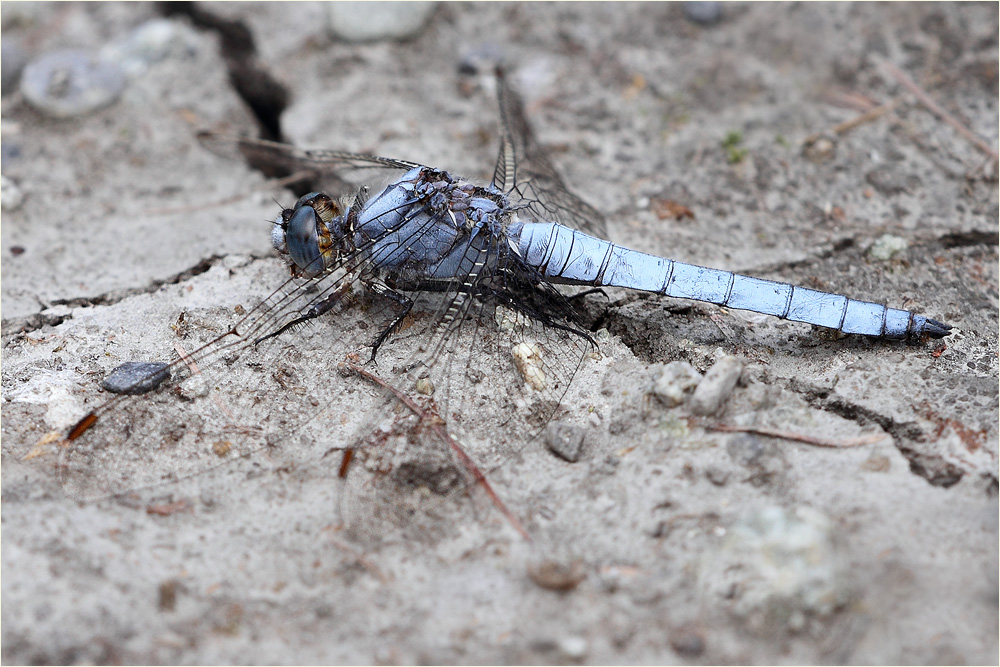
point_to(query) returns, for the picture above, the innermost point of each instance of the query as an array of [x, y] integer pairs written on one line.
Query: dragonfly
[[468, 294]]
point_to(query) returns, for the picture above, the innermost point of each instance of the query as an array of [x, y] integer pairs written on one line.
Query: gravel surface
[[776, 140]]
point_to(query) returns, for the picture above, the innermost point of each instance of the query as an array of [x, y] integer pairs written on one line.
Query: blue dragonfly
[[459, 288]]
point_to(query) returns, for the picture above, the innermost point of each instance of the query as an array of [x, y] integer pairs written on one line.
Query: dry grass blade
[[799, 437], [936, 109], [438, 426]]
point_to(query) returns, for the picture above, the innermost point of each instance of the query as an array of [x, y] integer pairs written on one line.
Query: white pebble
[[10, 195], [371, 21], [673, 383], [887, 246], [719, 382]]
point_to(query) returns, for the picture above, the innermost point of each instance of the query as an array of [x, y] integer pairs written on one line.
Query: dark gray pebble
[[12, 61], [688, 642], [565, 440], [704, 13], [136, 377]]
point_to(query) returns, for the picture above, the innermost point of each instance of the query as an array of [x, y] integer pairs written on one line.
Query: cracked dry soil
[[666, 541]]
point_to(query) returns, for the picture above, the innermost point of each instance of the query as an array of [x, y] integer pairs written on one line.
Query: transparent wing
[[481, 349], [523, 171], [226, 398], [489, 354], [335, 171], [489, 358]]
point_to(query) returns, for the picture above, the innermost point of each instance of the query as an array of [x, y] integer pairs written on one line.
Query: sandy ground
[[666, 542]]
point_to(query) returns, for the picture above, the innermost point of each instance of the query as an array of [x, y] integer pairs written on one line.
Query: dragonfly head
[[308, 233]]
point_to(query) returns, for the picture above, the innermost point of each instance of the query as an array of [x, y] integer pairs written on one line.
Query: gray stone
[[63, 84], [704, 13], [719, 382], [565, 440], [674, 383], [373, 21], [136, 377]]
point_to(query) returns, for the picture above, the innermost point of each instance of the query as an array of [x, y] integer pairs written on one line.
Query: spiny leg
[[399, 299], [508, 300], [315, 311], [586, 293]]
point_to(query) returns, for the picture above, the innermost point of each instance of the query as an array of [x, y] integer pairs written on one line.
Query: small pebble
[[703, 13], [718, 384], [136, 377], [9, 150], [372, 21], [557, 576], [63, 84], [887, 181], [148, 44], [194, 387], [10, 195], [674, 383], [573, 647], [425, 386], [688, 642], [168, 595], [887, 246], [822, 149], [565, 440], [13, 58]]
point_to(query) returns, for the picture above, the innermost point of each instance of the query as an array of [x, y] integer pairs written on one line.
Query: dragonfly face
[[308, 232]]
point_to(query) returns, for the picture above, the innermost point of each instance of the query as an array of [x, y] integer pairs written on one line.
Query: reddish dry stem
[[455, 447], [81, 426], [798, 437], [936, 109]]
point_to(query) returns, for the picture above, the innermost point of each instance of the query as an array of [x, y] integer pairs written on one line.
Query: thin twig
[[41, 447], [438, 426], [851, 123], [364, 562], [935, 109], [799, 437], [866, 117]]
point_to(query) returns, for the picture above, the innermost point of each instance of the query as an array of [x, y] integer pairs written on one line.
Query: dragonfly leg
[[315, 311], [585, 293], [513, 303], [406, 304]]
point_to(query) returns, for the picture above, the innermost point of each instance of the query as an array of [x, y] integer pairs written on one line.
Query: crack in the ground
[[970, 238], [946, 241], [263, 94], [637, 336], [934, 469], [35, 321], [267, 100]]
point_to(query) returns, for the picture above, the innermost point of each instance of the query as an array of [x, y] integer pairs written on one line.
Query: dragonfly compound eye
[[302, 241]]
